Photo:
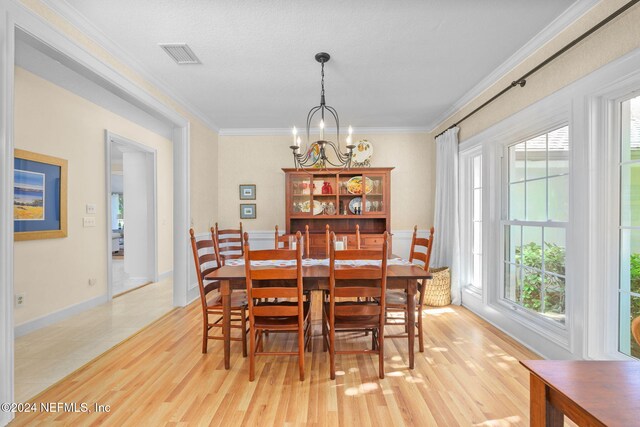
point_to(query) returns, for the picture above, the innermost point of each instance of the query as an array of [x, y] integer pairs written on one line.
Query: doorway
[[131, 204]]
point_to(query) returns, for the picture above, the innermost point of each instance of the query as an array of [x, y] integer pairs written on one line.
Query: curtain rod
[[523, 80]]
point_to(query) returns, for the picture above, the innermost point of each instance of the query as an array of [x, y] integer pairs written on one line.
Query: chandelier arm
[[342, 157], [334, 113], [310, 115]]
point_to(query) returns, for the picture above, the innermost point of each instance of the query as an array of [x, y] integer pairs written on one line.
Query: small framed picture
[[247, 211], [247, 192]]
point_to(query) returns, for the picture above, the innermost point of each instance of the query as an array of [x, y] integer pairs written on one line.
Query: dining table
[[401, 274]]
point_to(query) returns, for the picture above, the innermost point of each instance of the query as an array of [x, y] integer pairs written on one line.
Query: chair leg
[[261, 345], [381, 353], [324, 331], [301, 349], [205, 332], [420, 335], [244, 332], [252, 352], [332, 354]]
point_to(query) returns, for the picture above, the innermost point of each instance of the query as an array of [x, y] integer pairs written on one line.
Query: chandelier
[[315, 154]]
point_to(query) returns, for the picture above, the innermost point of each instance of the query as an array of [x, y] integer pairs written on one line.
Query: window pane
[[630, 194], [477, 237], [537, 157], [512, 277], [630, 261], [558, 151], [559, 198], [554, 291], [631, 129], [514, 247], [532, 247], [477, 270], [537, 200], [516, 201], [554, 250], [516, 162], [477, 204], [531, 285], [629, 310], [477, 171]]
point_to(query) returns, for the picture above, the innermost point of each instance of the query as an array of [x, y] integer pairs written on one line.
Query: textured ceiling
[[394, 63]]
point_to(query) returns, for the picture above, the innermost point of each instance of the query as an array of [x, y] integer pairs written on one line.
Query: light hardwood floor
[[468, 375]]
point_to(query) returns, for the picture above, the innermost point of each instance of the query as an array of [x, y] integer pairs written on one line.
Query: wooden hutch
[[340, 198]]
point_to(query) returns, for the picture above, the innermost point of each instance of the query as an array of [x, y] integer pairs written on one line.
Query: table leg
[[225, 291], [411, 318], [542, 413]]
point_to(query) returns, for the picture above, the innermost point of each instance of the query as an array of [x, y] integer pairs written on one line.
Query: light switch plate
[[91, 208], [89, 221]]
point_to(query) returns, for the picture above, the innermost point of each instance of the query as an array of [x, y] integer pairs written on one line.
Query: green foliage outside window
[[554, 299]]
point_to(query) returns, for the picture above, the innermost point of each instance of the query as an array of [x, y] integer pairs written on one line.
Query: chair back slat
[[275, 291], [206, 260], [274, 273], [229, 242], [269, 310], [273, 254], [362, 291], [357, 310], [358, 273], [421, 251]]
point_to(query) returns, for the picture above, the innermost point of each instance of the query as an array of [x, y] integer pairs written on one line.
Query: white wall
[[53, 121]]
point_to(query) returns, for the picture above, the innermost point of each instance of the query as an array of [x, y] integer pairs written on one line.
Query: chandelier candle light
[[315, 155]]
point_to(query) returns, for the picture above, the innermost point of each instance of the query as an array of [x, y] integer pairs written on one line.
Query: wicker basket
[[438, 288]]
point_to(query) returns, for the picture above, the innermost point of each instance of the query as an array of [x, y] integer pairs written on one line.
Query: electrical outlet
[[92, 282], [91, 208], [20, 300]]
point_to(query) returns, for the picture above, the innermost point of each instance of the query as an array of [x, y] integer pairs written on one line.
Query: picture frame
[[39, 196], [247, 191], [248, 211]]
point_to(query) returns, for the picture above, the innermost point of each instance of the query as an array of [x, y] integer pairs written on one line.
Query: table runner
[[310, 262]]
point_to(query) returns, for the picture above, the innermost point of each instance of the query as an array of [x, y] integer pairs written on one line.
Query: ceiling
[[394, 63]]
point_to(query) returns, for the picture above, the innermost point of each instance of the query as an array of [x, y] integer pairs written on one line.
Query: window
[[535, 223], [471, 218], [629, 284]]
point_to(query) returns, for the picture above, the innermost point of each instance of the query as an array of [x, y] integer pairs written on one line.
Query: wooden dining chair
[[635, 329], [229, 243], [207, 259], [268, 282], [282, 241], [397, 300], [348, 281]]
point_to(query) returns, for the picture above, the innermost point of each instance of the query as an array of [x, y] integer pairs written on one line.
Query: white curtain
[[446, 246]]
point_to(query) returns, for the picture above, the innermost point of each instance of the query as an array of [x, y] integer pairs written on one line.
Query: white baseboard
[[56, 316], [165, 275]]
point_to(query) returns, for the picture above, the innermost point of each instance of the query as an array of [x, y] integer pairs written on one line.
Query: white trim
[[78, 20], [112, 138], [7, 48], [57, 316], [569, 16], [287, 131]]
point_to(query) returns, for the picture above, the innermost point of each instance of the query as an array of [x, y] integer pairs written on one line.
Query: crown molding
[[548, 33], [287, 131], [68, 12]]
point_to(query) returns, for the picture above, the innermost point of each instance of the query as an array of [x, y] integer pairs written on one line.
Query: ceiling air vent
[[180, 52]]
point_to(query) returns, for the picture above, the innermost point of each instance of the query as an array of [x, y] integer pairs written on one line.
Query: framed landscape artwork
[[248, 211], [39, 196], [247, 192]]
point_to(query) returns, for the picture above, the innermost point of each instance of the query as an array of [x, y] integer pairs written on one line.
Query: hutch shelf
[[341, 198]]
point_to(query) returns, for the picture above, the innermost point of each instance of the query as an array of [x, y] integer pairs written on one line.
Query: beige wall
[[259, 160], [610, 42], [50, 120]]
